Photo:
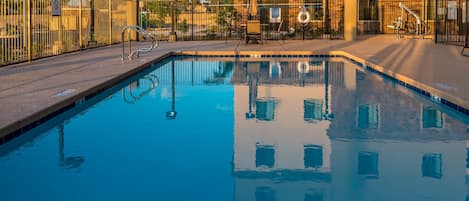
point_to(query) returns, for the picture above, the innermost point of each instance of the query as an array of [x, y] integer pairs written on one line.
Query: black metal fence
[[376, 16], [204, 20], [216, 19], [452, 22], [29, 31]]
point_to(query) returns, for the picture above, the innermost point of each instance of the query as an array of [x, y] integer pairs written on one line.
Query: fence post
[[137, 10], [350, 20], [30, 45], [437, 23], [381, 19], [80, 14], [172, 35], [110, 21], [91, 40], [327, 20], [61, 32], [192, 20], [466, 42]]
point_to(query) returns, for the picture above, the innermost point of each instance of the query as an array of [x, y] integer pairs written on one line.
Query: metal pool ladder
[[132, 98], [145, 34]]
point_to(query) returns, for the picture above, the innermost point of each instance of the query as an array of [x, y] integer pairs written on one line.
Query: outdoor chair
[[253, 31]]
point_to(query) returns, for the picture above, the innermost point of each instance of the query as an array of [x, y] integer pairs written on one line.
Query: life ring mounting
[[303, 16]]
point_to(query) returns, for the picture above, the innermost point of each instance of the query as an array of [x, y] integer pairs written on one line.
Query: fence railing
[[452, 22], [375, 16], [222, 20], [28, 30]]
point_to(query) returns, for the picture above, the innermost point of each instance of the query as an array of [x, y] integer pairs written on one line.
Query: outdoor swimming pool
[[245, 129]]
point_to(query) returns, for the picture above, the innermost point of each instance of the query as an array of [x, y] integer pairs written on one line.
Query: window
[[431, 165], [264, 193], [312, 110], [265, 109], [431, 117], [275, 15], [265, 155], [368, 10], [368, 116], [368, 164], [313, 156]]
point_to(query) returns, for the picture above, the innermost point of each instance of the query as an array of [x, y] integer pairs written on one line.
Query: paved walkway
[[29, 91]]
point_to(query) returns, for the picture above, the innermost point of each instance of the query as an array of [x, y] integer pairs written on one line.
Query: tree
[[183, 27], [225, 17], [161, 9]]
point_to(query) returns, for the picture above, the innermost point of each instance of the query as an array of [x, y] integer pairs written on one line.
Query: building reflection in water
[[264, 106], [431, 117], [368, 116], [381, 143]]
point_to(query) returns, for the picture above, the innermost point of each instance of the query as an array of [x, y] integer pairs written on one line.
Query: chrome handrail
[[145, 34]]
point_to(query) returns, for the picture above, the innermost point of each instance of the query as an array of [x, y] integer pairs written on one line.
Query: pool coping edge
[[436, 95], [21, 126]]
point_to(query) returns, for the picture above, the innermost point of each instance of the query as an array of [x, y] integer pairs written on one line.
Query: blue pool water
[[293, 129]]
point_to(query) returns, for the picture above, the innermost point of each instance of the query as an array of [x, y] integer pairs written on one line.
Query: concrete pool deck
[[31, 91]]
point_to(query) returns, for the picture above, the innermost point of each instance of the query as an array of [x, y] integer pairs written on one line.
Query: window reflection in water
[[368, 164], [265, 109], [265, 156], [313, 110], [368, 116], [431, 165], [431, 117], [313, 156]]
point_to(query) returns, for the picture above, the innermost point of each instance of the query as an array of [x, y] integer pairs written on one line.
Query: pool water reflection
[[258, 130]]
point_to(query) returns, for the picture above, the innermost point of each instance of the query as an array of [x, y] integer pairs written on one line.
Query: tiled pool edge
[[435, 95], [21, 126]]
